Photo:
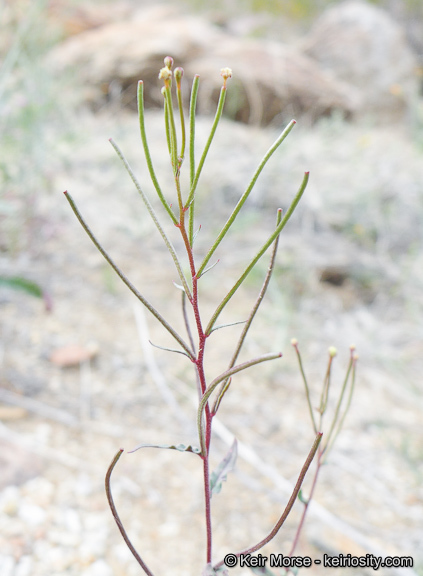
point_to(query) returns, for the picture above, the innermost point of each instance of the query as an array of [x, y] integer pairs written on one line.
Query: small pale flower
[[226, 73], [165, 74]]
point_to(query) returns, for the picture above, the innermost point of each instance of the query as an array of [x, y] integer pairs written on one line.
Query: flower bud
[[294, 341], [178, 72], [332, 351], [168, 62]]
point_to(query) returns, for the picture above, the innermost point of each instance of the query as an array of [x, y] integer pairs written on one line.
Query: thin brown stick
[[116, 515]]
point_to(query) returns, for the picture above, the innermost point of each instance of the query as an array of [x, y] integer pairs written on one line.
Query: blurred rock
[[270, 78], [362, 45], [73, 355]]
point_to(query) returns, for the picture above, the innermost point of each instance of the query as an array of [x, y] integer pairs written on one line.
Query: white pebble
[[98, 568], [7, 565]]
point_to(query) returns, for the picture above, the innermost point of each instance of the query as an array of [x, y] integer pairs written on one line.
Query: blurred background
[[78, 378]]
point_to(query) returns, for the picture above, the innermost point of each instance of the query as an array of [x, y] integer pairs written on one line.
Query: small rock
[[72, 355], [98, 568], [32, 514], [7, 566]]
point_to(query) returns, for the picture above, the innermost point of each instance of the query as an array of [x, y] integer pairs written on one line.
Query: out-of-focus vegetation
[[29, 116]]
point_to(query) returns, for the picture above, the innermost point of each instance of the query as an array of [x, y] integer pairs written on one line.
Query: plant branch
[[288, 507], [351, 368], [208, 143], [150, 209], [147, 152], [244, 197], [294, 343], [192, 107], [125, 280], [253, 312], [213, 385], [116, 515], [263, 249]]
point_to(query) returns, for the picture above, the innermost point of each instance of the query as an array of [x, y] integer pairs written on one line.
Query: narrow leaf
[[199, 275], [116, 515], [179, 447], [170, 349], [222, 392], [147, 152], [257, 257], [288, 507], [213, 385], [123, 277], [226, 325], [246, 194], [226, 466], [32, 288], [20, 283], [207, 146], [302, 498], [153, 215]]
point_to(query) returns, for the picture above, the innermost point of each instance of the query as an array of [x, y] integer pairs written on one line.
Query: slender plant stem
[[306, 505], [263, 249], [181, 116], [186, 321], [167, 124], [192, 107], [324, 397], [288, 507], [246, 194], [208, 143], [147, 152], [213, 385], [307, 389], [331, 439], [172, 128], [125, 280], [253, 312], [116, 515], [150, 209]]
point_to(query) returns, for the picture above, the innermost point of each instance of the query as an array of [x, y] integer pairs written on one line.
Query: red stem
[[306, 505], [199, 362]]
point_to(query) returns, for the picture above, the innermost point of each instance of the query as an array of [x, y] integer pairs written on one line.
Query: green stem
[[182, 118], [192, 107], [147, 152], [266, 245], [246, 194], [253, 312], [172, 128], [208, 143]]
